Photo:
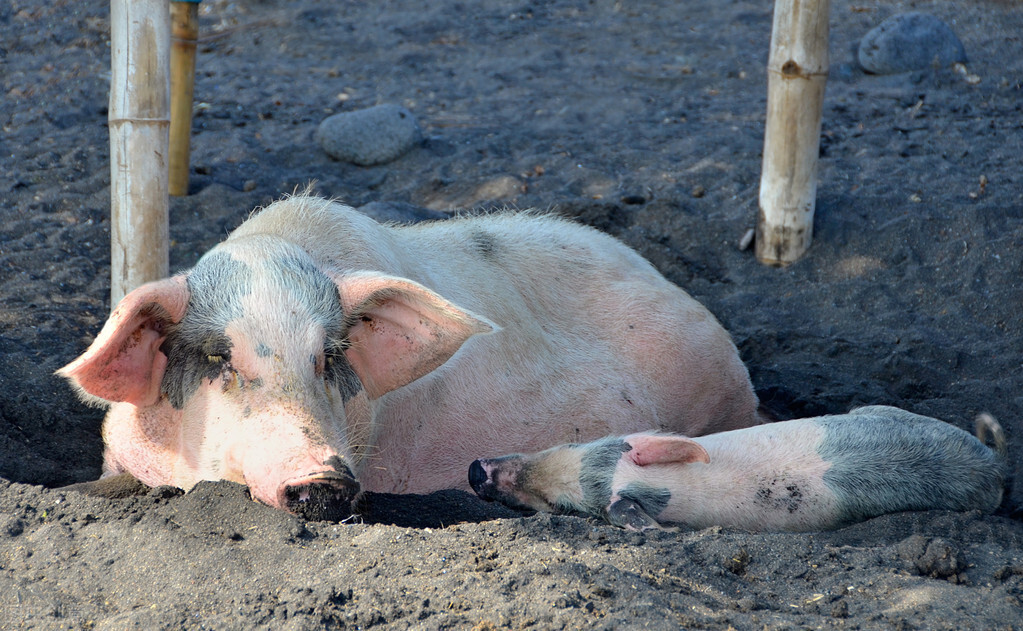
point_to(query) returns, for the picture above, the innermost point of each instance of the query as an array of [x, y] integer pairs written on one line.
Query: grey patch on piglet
[[653, 499], [628, 514], [597, 470], [906, 462], [197, 347]]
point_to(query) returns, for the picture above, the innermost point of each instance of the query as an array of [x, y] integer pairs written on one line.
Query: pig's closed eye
[[338, 372]]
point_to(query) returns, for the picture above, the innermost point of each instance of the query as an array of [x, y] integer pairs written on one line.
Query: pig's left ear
[[664, 449], [400, 330]]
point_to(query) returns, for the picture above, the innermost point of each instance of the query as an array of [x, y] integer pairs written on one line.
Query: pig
[[810, 474], [316, 354]]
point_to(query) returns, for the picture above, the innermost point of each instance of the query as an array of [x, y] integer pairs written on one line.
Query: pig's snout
[[492, 479], [322, 496], [478, 479]]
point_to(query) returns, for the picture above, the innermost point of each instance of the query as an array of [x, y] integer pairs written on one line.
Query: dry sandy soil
[[642, 118]]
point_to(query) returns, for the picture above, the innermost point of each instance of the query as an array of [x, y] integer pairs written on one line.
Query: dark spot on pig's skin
[[190, 361], [197, 347], [339, 373], [652, 499], [337, 464], [485, 244], [772, 497], [262, 350], [598, 467]]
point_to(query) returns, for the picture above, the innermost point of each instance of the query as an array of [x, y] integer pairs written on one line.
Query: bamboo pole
[[139, 121], [184, 33], [797, 70]]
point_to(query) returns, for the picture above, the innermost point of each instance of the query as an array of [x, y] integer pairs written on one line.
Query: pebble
[[909, 41], [368, 137]]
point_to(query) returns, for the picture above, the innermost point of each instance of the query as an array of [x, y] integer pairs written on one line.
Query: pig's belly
[[415, 451]]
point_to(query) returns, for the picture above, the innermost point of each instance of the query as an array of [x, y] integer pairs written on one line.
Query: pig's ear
[[664, 449], [400, 330], [124, 362]]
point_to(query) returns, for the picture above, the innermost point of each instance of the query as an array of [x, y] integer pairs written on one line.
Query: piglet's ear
[[401, 330], [664, 449], [124, 362]]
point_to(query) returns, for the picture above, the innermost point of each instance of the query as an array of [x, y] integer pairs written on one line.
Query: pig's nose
[[325, 496], [477, 477]]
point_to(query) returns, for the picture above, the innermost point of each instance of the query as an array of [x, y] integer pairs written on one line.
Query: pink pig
[[316, 352]]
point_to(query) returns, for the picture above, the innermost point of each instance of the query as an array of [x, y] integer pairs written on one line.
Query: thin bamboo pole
[[184, 33], [139, 122], [797, 71]]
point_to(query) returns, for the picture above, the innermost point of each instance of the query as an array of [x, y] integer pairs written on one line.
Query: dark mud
[[644, 119]]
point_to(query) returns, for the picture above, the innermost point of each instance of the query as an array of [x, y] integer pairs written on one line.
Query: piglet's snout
[[492, 479], [479, 480], [322, 496]]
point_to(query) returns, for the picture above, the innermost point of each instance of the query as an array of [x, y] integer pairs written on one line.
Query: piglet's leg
[[628, 514], [111, 487]]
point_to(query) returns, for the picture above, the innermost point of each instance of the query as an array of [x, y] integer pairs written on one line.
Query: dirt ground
[[642, 118]]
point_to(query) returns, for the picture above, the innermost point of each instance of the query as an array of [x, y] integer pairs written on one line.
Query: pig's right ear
[[664, 449], [124, 362], [399, 330]]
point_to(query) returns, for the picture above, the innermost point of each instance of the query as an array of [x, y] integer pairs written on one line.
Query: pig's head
[[549, 480], [593, 478], [258, 366]]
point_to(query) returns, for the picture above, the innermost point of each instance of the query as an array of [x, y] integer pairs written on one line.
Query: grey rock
[[909, 41], [368, 137]]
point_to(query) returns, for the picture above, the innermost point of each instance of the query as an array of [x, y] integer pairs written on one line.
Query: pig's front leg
[[112, 487], [628, 514]]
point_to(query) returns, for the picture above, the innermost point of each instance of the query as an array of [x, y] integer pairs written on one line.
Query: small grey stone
[[371, 136], [909, 41]]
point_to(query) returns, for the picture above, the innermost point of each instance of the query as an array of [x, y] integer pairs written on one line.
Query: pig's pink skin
[[715, 480], [481, 335]]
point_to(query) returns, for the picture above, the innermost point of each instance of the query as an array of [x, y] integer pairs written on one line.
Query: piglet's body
[[810, 474]]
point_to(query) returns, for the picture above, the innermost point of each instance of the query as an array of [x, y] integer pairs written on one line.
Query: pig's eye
[[338, 372]]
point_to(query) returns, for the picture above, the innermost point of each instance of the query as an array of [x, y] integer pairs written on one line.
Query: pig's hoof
[[323, 498]]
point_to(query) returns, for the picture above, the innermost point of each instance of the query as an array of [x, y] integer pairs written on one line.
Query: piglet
[[803, 475]]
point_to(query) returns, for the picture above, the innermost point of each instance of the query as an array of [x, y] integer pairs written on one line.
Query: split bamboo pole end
[[139, 122], [797, 71]]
